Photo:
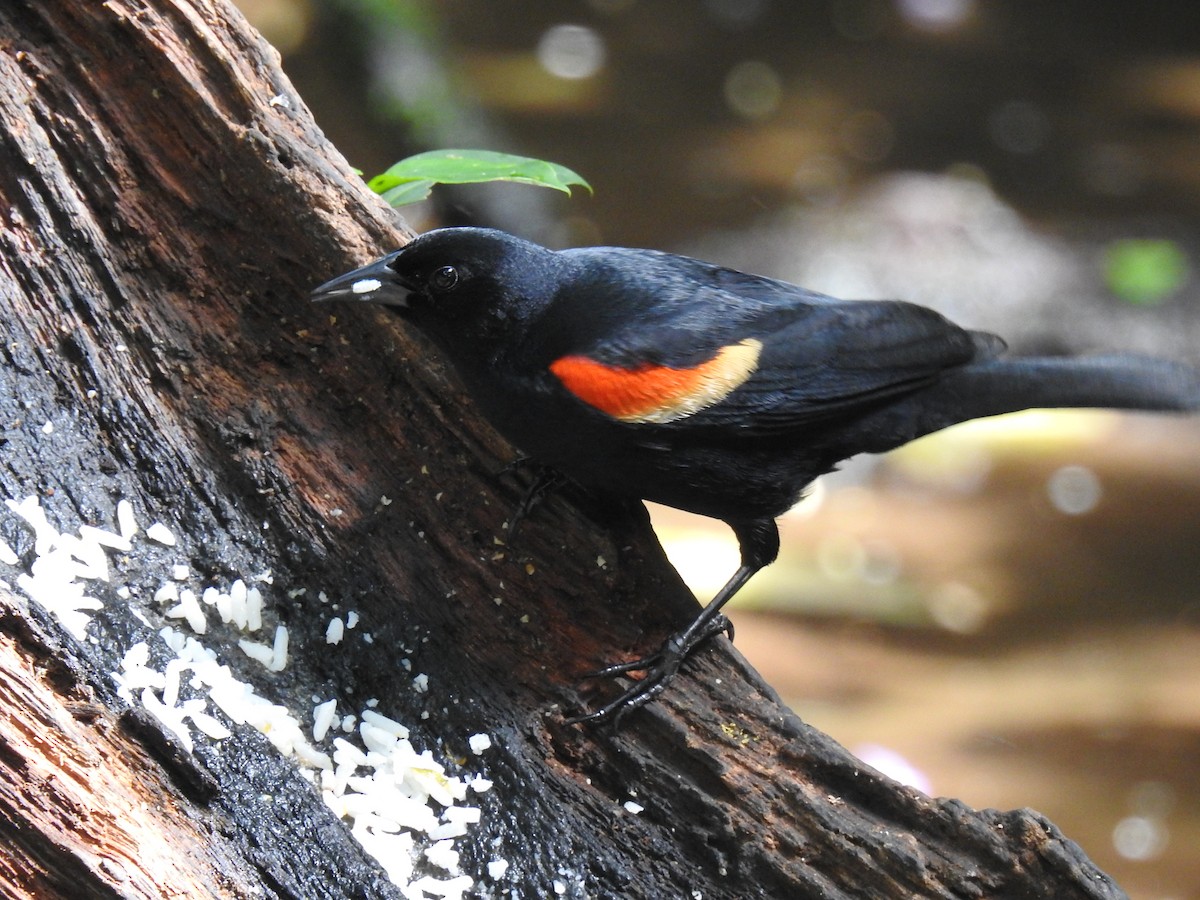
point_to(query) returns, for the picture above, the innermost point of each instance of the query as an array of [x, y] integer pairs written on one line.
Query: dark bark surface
[[166, 204]]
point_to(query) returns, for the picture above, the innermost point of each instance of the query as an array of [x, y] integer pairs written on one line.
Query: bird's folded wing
[[763, 355]]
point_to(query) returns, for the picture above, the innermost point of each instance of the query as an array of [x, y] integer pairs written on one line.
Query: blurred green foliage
[[1145, 271]]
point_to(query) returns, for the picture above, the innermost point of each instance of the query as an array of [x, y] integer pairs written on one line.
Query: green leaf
[[1145, 271], [471, 167], [406, 192]]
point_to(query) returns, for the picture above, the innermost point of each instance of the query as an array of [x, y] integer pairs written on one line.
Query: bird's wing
[[845, 359], [713, 347]]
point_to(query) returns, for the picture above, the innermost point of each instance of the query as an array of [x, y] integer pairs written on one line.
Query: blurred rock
[[949, 242]]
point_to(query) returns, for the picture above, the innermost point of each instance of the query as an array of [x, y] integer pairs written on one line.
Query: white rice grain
[[85, 560], [447, 831], [323, 716], [126, 524], [161, 534], [254, 609], [237, 604], [168, 591], [390, 793], [258, 652], [345, 753], [279, 650], [91, 554], [308, 755], [170, 695], [176, 640], [468, 815], [192, 611], [210, 725], [443, 855], [381, 721], [497, 869], [30, 509], [117, 542], [479, 743], [51, 583], [376, 739], [225, 607], [136, 674]]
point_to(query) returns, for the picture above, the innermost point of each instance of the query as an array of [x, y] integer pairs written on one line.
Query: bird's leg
[[545, 481], [516, 464], [759, 543]]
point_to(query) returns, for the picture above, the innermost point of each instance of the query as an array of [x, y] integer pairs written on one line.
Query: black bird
[[655, 376]]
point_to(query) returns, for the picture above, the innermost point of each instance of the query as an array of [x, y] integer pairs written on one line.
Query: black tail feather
[[992, 387]]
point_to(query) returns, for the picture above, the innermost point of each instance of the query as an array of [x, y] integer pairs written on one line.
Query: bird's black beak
[[376, 282]]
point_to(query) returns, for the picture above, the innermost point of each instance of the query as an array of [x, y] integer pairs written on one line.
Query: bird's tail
[[991, 387]]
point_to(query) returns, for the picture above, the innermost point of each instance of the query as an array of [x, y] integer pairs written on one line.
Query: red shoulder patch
[[658, 394]]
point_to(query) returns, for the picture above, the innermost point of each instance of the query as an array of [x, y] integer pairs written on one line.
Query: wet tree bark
[[167, 202]]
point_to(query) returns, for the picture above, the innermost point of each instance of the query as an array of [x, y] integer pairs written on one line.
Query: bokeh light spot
[[936, 15], [571, 51], [1074, 490], [753, 89]]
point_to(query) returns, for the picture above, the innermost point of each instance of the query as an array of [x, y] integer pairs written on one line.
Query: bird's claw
[[514, 465], [636, 696], [545, 481], [660, 667]]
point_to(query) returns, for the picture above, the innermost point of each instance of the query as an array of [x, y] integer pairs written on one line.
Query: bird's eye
[[443, 279]]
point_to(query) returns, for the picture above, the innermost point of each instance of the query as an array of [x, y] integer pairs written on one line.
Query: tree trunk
[[167, 204]]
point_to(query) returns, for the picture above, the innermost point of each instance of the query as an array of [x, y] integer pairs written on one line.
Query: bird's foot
[[545, 481], [659, 667]]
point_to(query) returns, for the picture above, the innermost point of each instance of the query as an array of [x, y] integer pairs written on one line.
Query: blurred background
[[1007, 612]]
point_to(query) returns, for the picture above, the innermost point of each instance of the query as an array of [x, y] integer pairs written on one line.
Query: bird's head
[[468, 288]]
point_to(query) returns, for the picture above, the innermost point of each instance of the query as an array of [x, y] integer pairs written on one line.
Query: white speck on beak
[[366, 285]]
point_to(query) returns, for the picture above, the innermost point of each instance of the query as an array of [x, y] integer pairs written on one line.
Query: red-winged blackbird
[[665, 378]]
